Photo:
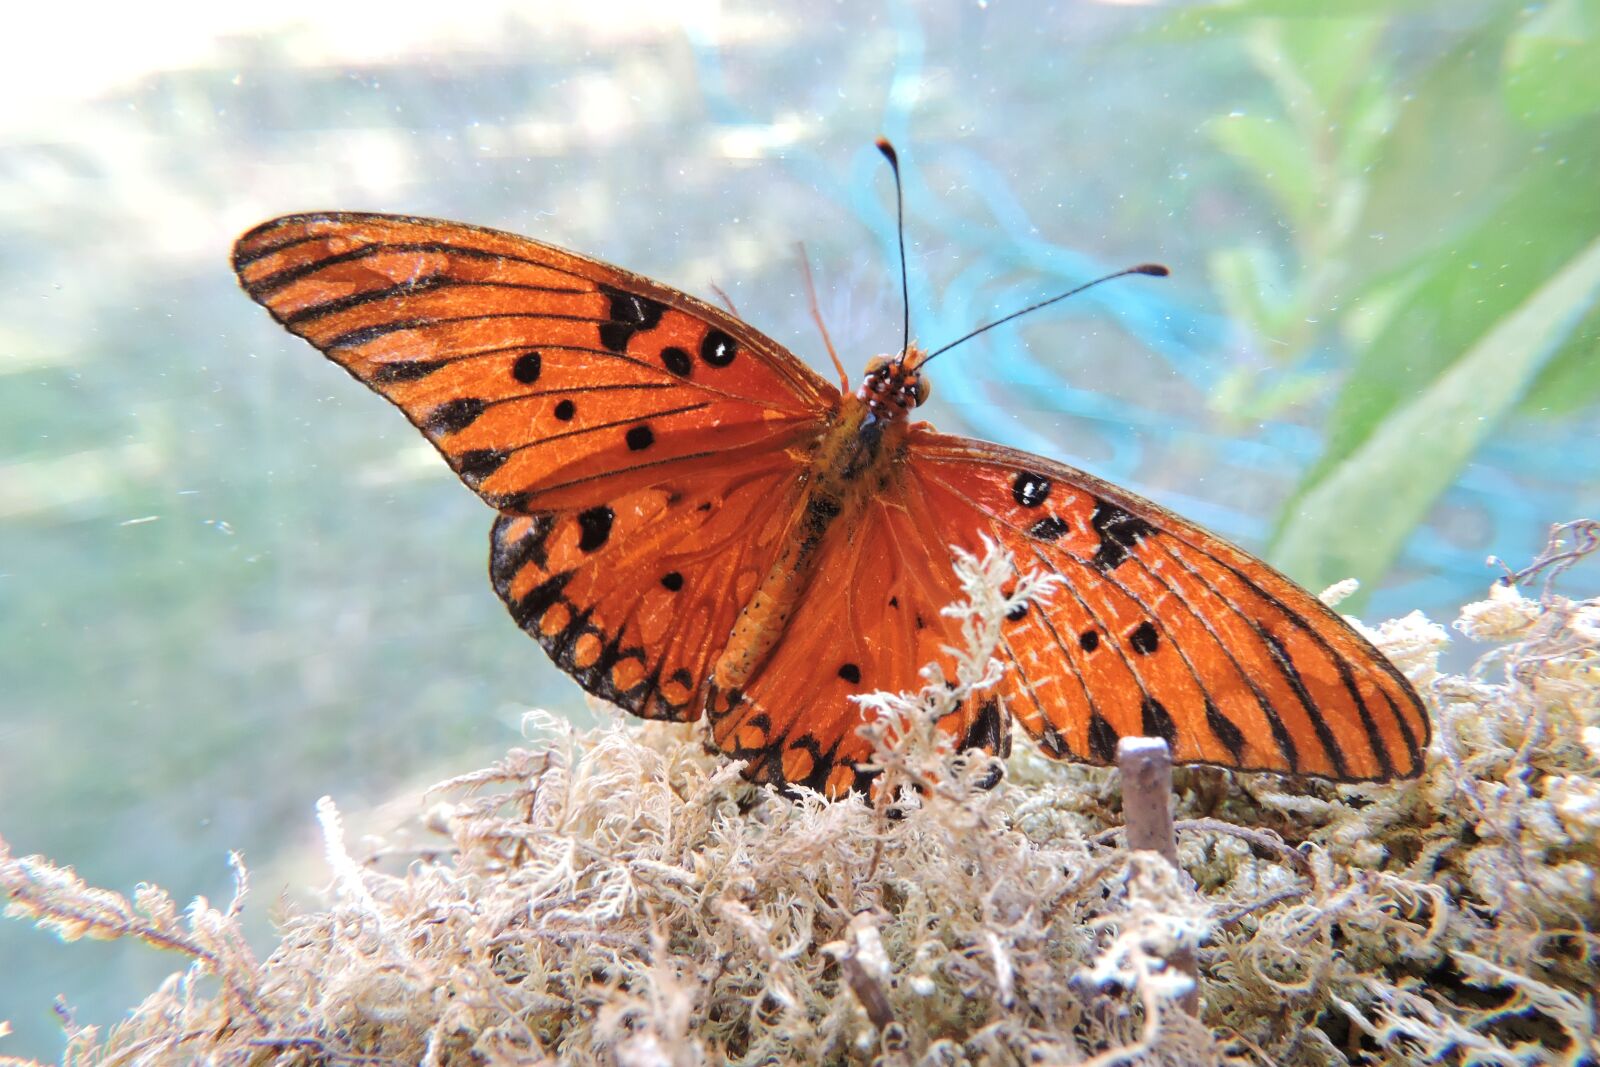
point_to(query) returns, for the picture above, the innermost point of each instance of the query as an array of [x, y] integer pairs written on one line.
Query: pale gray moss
[[621, 896]]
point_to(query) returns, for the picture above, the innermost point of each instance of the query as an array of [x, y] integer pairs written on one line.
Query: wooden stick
[[1146, 765]]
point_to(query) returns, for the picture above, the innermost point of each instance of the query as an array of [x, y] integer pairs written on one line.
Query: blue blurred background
[[231, 580]]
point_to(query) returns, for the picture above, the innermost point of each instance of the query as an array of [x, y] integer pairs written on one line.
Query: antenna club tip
[[887, 149], [1155, 270]]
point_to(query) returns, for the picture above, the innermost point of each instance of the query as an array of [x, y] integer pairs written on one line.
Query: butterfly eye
[[877, 365], [921, 389]]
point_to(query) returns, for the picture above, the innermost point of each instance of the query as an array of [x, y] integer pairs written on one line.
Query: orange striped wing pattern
[[650, 457], [635, 598], [626, 432], [871, 621], [1162, 630], [1158, 629], [544, 378]]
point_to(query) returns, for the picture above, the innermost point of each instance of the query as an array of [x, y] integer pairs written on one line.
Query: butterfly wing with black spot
[[547, 379], [1157, 629], [636, 440], [870, 619], [1161, 629], [635, 598]]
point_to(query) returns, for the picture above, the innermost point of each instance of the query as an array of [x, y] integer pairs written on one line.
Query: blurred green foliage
[[1436, 179]]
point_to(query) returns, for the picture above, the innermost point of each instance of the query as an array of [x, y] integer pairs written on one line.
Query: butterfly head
[[894, 384]]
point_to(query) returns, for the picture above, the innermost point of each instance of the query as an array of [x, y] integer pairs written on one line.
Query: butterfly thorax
[[852, 462]]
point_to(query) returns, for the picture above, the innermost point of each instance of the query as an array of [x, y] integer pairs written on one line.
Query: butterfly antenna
[[900, 227], [1154, 270], [816, 315]]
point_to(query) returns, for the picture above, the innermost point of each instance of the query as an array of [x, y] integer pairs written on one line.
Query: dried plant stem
[[35, 889], [1265, 840], [1146, 765]]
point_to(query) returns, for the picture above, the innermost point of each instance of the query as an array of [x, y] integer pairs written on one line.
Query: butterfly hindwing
[[871, 619], [1161, 629], [546, 379], [634, 598]]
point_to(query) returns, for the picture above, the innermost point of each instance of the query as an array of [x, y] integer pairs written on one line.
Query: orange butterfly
[[692, 520]]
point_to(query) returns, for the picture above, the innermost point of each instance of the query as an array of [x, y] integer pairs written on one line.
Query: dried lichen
[[619, 895]]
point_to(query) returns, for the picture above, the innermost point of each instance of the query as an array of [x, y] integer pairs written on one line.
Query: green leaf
[[1354, 522], [1461, 288], [1191, 22], [1570, 382], [1369, 118], [1275, 156], [1252, 290], [1253, 394], [1331, 57], [1450, 153], [1365, 320], [1552, 64]]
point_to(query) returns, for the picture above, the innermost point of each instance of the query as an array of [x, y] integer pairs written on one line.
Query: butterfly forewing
[[1161, 629], [546, 379]]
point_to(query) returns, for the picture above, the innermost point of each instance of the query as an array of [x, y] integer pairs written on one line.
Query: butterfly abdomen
[[846, 466]]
